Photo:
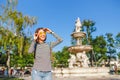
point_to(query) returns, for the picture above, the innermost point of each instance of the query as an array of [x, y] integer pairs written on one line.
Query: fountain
[[79, 62], [78, 51]]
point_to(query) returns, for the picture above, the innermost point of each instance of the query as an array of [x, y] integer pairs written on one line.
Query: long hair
[[36, 32]]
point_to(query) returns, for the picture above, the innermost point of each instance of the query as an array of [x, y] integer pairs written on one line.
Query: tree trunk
[[91, 58], [8, 62]]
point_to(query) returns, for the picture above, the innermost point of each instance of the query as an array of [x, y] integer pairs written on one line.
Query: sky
[[60, 16]]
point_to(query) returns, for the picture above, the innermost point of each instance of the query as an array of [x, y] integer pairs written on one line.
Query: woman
[[42, 63]]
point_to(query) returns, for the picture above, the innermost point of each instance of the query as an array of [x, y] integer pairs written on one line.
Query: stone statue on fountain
[[72, 60], [78, 25], [83, 59]]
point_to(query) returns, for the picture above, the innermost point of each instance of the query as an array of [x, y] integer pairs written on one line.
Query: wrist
[[52, 32]]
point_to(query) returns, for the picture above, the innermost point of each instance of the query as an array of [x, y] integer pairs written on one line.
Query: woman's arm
[[32, 47], [59, 40]]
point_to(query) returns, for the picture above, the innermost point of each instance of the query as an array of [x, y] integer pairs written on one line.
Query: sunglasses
[[41, 33]]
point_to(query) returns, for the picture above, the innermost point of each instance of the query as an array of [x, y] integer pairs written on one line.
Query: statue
[[86, 60], [83, 59], [78, 25], [72, 60]]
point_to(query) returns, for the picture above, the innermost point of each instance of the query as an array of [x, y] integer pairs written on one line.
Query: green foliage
[[62, 58], [88, 27], [14, 33], [117, 41], [119, 55], [3, 59], [117, 44], [25, 60], [73, 41], [88, 23], [110, 46], [99, 45]]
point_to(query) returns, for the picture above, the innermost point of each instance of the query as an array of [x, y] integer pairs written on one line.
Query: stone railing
[[66, 72]]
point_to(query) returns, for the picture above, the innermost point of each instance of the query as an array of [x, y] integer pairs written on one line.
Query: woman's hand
[[35, 36], [47, 30]]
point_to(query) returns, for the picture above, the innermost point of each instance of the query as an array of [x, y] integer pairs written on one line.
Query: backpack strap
[[35, 49]]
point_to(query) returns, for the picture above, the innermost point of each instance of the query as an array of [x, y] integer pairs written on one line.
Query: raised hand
[[35, 36], [47, 30]]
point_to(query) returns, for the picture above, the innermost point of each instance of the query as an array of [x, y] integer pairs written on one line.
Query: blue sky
[[60, 16]]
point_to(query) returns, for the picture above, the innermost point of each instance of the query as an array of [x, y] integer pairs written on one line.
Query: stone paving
[[90, 78], [108, 77]]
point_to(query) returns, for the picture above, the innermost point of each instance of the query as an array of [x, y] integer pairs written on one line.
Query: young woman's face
[[42, 35]]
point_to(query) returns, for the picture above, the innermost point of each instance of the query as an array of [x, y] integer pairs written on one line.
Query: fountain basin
[[79, 48], [78, 34]]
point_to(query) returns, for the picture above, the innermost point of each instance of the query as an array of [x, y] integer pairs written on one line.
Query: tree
[[14, 30], [118, 55], [117, 42], [99, 48], [6, 42], [88, 27], [110, 46], [26, 60], [17, 24], [3, 59], [62, 57]]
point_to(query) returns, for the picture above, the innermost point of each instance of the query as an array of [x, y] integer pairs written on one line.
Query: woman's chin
[[43, 39]]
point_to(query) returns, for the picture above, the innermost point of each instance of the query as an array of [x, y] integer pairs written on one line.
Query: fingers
[[47, 30], [35, 36]]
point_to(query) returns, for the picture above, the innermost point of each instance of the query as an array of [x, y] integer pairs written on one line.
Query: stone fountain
[[79, 62], [78, 52]]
